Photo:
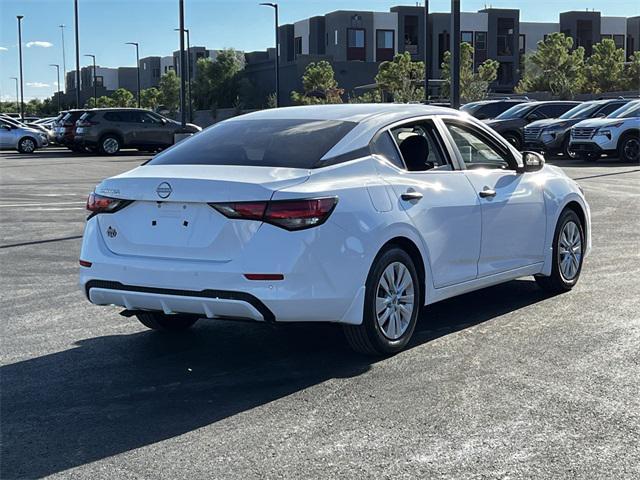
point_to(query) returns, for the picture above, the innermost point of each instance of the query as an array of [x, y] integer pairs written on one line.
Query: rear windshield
[[517, 111], [261, 143], [631, 109]]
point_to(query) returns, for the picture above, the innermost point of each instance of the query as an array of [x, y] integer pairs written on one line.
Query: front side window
[[286, 143], [518, 111], [629, 110], [476, 150]]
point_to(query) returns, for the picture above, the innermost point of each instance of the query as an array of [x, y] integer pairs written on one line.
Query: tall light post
[[17, 97], [95, 84], [455, 53], [135, 44], [64, 59], [275, 8], [426, 51], [75, 9], [20, 17], [186, 30], [58, 69], [183, 113]]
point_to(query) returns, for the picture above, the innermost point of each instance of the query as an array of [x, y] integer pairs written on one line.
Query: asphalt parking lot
[[506, 382]]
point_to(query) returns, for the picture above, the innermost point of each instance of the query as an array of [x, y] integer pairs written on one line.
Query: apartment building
[[355, 42]]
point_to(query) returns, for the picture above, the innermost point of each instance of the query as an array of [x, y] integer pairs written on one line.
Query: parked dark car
[[552, 136], [65, 132], [487, 109], [510, 124], [107, 130]]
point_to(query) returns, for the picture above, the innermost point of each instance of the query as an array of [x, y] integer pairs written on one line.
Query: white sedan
[[356, 214]]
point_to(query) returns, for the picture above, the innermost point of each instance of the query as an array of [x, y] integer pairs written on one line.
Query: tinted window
[[492, 110], [610, 108], [584, 110], [518, 111], [553, 110], [384, 146], [631, 109], [261, 143]]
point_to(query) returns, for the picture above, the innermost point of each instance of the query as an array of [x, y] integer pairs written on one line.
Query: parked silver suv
[[107, 130]]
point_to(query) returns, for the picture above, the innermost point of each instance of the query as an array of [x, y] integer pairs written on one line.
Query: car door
[[153, 132], [513, 210], [437, 198]]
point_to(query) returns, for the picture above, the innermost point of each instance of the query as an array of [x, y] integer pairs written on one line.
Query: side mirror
[[531, 162]]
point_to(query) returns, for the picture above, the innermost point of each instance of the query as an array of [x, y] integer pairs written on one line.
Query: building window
[[481, 40], [411, 34], [356, 44], [297, 45], [144, 66], [619, 41], [385, 45], [522, 43], [443, 46], [630, 45], [99, 81], [505, 73], [335, 37], [466, 37], [156, 73], [505, 36]]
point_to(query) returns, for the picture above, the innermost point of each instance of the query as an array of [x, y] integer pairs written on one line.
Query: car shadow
[[116, 393]]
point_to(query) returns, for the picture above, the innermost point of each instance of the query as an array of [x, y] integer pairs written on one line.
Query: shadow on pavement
[[116, 393]]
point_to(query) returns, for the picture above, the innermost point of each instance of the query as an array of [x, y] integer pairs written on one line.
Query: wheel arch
[[414, 252], [112, 133]]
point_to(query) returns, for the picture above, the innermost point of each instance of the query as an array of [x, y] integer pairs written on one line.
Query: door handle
[[487, 192], [411, 195]]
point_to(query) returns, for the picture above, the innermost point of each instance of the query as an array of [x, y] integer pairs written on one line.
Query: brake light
[[99, 204], [287, 214]]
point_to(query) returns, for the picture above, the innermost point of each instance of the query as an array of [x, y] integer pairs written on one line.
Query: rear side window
[[384, 146], [87, 116], [260, 143], [610, 108], [112, 117]]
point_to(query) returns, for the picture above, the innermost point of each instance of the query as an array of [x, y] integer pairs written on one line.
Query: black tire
[[629, 148], [556, 282], [109, 145], [27, 145], [368, 338], [166, 323], [513, 139], [566, 153]]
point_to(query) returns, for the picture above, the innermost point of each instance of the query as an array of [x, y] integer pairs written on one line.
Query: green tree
[[372, 96], [554, 68], [631, 75], [402, 78], [474, 86], [319, 85], [170, 90], [103, 102], [122, 98], [604, 68], [150, 98], [217, 82]]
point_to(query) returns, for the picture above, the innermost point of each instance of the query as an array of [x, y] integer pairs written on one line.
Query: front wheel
[[27, 145], [568, 254], [514, 140], [629, 148], [166, 323], [109, 145], [392, 304]]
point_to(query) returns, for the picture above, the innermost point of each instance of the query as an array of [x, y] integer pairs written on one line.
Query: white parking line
[[41, 204]]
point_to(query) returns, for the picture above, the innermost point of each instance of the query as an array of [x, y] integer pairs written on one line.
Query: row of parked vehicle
[[585, 130]]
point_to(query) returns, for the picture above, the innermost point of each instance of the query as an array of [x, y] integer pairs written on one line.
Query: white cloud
[[37, 85], [39, 43], [3, 49]]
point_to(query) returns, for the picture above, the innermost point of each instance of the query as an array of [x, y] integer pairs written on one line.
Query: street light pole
[[275, 8], [427, 44], [17, 97], [95, 85], [137, 66], [20, 17], [64, 60], [183, 113], [455, 54], [75, 3], [186, 30], [58, 69]]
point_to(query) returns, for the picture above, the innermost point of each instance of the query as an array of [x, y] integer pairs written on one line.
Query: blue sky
[[106, 24]]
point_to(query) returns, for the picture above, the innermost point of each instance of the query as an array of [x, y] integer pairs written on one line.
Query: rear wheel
[[568, 254], [392, 304], [629, 148], [27, 145], [166, 323], [513, 139], [566, 153], [109, 145]]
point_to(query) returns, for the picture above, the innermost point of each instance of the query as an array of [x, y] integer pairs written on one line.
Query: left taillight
[[287, 214], [100, 204]]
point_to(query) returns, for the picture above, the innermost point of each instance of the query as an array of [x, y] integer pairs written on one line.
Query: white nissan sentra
[[356, 214]]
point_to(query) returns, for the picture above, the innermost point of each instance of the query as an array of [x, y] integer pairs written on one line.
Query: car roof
[[360, 112]]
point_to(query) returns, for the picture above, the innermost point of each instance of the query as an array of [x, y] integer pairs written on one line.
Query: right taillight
[[100, 204], [287, 214]]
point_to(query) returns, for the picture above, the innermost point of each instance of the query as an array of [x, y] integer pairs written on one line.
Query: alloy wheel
[[110, 145], [631, 149], [394, 300], [28, 146], [570, 250]]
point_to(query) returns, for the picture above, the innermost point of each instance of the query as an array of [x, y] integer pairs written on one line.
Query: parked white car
[[617, 134], [357, 214], [17, 136]]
